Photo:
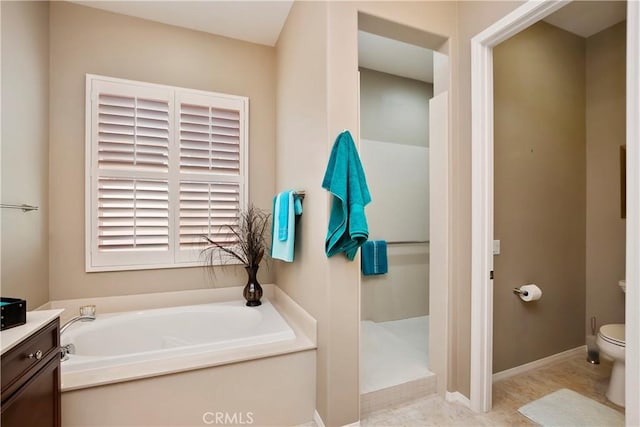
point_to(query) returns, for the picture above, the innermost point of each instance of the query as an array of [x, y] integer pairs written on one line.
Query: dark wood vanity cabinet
[[31, 380]]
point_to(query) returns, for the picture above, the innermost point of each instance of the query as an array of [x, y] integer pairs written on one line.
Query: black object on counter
[[13, 312]]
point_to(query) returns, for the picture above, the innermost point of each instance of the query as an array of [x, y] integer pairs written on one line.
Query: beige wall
[[318, 85], [473, 17], [301, 155], [434, 17], [25, 153], [605, 75], [86, 40], [539, 193], [393, 108]]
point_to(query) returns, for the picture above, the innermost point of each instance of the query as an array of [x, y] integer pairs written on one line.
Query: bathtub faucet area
[[87, 313], [66, 350], [85, 318]]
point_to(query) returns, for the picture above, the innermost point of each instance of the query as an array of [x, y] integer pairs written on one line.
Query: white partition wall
[[439, 237], [399, 174]]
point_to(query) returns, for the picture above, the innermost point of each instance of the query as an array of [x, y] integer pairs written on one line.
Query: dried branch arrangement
[[250, 242]]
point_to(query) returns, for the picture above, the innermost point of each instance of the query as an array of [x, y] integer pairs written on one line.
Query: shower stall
[[394, 148]]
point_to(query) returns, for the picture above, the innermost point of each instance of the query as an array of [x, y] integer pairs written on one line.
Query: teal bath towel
[[345, 179]]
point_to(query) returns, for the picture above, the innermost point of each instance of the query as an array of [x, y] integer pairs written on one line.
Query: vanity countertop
[[35, 320]]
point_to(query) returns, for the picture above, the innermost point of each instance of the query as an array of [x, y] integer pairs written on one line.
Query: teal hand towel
[[283, 217], [284, 213], [374, 258], [346, 180]]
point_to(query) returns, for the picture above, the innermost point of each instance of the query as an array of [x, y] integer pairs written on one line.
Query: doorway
[[482, 203], [404, 132]]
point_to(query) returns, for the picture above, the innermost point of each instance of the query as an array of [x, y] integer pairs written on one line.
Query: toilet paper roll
[[530, 292]]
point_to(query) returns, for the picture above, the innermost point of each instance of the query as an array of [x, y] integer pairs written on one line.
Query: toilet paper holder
[[517, 291]]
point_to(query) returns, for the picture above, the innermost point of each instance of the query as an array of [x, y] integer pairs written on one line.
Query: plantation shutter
[[165, 167], [133, 215], [209, 209], [209, 140], [130, 132], [133, 133], [212, 169]]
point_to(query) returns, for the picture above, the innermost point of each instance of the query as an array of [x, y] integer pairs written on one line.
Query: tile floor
[[508, 395]]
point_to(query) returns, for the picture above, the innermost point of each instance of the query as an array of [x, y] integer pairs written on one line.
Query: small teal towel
[[345, 179], [374, 257], [286, 206], [283, 217]]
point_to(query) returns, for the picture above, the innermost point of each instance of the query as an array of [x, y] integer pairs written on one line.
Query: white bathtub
[[117, 339], [213, 358]]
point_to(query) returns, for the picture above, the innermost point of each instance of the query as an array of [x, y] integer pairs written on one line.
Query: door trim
[[632, 303]]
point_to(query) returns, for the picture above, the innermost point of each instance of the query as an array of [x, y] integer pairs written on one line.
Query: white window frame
[[174, 257]]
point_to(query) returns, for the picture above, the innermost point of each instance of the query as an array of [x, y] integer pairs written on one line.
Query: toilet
[[612, 344]]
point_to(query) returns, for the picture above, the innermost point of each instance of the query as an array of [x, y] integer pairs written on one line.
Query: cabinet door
[[37, 402], [18, 367]]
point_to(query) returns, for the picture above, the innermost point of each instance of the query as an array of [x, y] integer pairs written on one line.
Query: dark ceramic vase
[[252, 291]]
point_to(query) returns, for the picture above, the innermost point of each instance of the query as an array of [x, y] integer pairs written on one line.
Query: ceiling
[[253, 21], [586, 18]]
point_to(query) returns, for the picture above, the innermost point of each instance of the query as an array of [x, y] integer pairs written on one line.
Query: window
[[165, 166]]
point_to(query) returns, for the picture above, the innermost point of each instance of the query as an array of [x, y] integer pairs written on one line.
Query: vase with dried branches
[[248, 246]]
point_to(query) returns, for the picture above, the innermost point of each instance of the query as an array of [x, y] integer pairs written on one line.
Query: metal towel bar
[[407, 242], [25, 208]]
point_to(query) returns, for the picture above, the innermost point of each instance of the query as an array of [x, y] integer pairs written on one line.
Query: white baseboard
[[458, 397], [356, 424], [508, 373], [318, 419]]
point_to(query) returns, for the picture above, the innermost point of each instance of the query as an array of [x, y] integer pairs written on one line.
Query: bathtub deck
[[246, 385], [302, 324]]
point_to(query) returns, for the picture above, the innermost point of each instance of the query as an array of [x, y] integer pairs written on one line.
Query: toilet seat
[[613, 334]]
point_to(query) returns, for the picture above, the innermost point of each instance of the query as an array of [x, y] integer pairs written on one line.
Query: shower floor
[[393, 352]]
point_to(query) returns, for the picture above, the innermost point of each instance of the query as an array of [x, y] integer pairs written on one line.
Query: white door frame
[[482, 199]]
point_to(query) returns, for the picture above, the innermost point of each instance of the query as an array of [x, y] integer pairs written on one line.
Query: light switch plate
[[496, 247]]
